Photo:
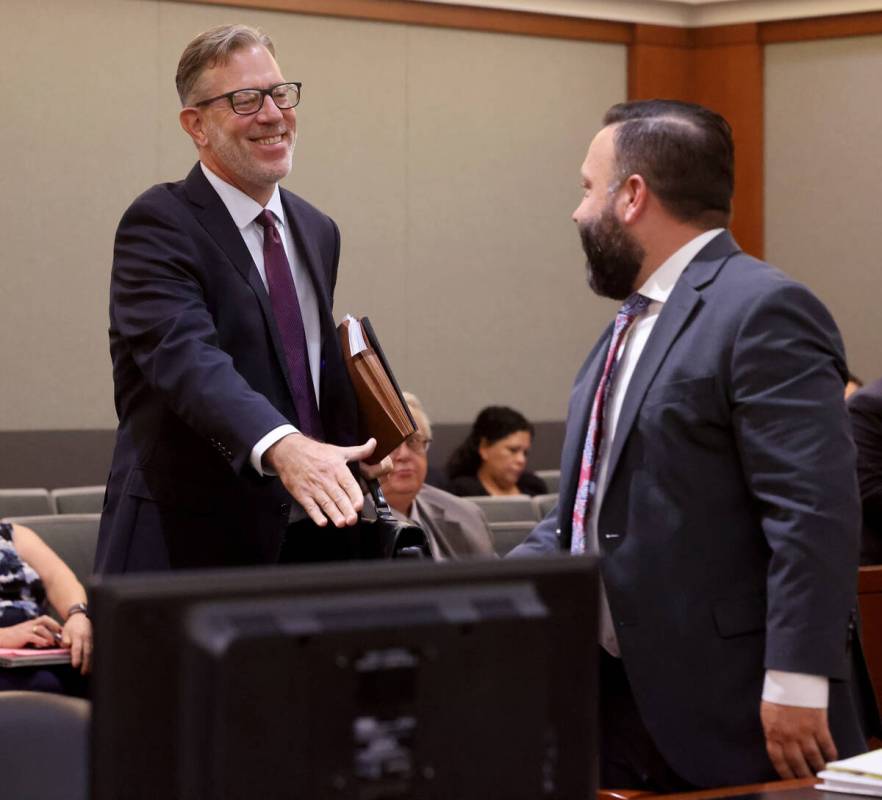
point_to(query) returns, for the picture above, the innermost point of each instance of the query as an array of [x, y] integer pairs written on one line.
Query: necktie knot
[[634, 306], [268, 222]]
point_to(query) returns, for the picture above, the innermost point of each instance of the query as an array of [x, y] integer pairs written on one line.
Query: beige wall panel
[[499, 307], [823, 164], [450, 160], [78, 83]]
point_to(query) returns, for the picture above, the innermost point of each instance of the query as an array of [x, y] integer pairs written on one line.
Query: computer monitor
[[367, 681]]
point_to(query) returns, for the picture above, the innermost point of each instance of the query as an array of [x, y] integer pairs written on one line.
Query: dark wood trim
[[662, 35], [768, 789], [449, 15], [870, 579], [719, 35], [833, 27]]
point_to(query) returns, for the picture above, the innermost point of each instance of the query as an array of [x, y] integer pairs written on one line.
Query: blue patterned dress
[[22, 596]]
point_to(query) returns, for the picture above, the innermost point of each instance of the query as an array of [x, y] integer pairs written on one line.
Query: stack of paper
[[858, 775], [33, 657]]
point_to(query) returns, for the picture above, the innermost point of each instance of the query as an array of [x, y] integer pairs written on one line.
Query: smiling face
[[252, 152], [504, 461]]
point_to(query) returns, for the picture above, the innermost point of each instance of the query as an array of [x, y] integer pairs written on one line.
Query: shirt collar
[[660, 284], [243, 209]]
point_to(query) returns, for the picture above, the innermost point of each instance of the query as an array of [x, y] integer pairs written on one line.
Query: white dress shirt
[[243, 209], [788, 688]]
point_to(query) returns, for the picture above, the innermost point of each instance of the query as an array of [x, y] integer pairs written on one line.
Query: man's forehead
[[601, 152], [251, 64]]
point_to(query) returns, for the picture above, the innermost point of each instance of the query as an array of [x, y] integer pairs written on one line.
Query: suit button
[[284, 509]]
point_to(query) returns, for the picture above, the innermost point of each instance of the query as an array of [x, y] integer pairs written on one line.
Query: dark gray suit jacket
[[730, 522]]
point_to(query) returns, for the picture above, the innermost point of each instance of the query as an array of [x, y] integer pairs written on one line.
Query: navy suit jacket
[[729, 526], [199, 377], [865, 406]]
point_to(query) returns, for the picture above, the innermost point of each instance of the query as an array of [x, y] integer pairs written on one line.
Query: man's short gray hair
[[419, 413], [213, 47]]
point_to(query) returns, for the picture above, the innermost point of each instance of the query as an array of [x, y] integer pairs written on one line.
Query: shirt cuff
[[796, 689], [265, 443]]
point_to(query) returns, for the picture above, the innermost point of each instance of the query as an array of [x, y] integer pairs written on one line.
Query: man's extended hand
[[798, 740], [317, 477]]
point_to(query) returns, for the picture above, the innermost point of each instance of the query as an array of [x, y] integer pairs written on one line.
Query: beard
[[233, 152], [613, 255]]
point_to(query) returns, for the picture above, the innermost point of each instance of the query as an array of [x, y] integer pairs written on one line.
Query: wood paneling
[[729, 79], [721, 68], [447, 15], [870, 602], [801, 30], [659, 71]]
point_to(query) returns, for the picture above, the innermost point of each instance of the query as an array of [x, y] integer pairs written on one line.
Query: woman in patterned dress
[[30, 575]]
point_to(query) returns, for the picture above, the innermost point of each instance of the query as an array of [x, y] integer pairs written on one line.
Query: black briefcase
[[375, 537]]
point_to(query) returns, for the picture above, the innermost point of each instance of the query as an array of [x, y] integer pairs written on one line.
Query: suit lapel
[[214, 217], [674, 315]]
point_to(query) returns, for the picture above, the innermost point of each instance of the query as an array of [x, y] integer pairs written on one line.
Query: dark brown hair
[[683, 151]]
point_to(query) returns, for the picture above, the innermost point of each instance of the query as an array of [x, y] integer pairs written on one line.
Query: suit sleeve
[[158, 305], [544, 539], [792, 431]]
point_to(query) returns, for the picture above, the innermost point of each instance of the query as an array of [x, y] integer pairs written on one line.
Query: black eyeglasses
[[250, 101]]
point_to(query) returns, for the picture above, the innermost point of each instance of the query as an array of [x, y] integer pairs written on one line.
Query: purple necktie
[[289, 320], [633, 307]]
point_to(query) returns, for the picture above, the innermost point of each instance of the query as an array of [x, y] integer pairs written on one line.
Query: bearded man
[[230, 386], [708, 460]]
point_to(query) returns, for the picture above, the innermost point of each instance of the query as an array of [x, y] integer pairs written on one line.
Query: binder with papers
[[857, 775], [382, 411]]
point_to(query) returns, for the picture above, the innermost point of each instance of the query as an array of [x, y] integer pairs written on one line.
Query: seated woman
[[30, 574], [493, 459]]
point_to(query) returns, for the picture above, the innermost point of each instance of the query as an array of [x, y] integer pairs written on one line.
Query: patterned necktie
[[286, 309], [632, 308]]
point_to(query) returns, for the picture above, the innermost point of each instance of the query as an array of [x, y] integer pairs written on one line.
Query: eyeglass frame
[[425, 441], [264, 94]]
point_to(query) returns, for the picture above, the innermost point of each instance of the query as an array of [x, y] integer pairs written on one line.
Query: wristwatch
[[78, 608]]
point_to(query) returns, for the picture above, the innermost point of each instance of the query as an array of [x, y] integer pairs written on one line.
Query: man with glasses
[[453, 527], [229, 381]]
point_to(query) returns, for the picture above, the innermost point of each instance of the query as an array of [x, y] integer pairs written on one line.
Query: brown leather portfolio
[[382, 411]]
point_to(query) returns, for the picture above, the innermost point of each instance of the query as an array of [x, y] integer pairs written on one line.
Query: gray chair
[[551, 478], [509, 508], [15, 502], [508, 535], [544, 503], [45, 752], [72, 536], [79, 500]]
